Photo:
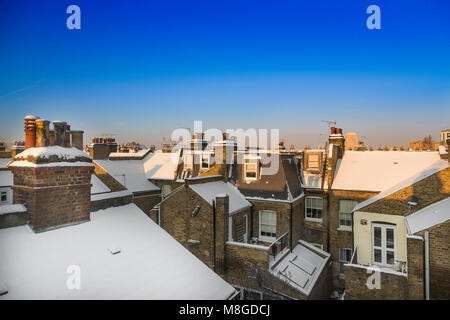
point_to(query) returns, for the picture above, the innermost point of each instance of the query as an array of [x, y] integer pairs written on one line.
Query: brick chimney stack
[[448, 150], [224, 154], [30, 131], [18, 147], [222, 216], [337, 138], [53, 182], [77, 139]]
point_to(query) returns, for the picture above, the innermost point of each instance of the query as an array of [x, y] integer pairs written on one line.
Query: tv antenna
[[329, 122]]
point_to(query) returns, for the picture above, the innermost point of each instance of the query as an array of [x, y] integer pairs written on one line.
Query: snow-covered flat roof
[[426, 172], [379, 170], [302, 267], [210, 190], [98, 186], [428, 217], [130, 173], [161, 165], [150, 265], [131, 154]]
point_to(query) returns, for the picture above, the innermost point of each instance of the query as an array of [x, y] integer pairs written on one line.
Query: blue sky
[[140, 69]]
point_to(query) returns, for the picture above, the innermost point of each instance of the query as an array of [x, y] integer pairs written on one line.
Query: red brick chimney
[[30, 131], [54, 183], [336, 137]]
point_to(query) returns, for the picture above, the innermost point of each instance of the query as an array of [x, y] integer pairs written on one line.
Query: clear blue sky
[[143, 68]]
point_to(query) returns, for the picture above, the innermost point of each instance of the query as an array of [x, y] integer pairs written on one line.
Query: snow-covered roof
[[150, 265], [161, 165], [130, 154], [9, 208], [210, 190], [46, 152], [429, 216], [302, 267], [4, 162], [426, 172], [130, 173], [379, 170], [98, 186], [6, 178]]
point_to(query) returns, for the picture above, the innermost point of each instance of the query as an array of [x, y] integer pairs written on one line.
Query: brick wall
[[316, 232], [54, 196], [340, 238], [392, 286], [283, 210], [415, 268], [429, 190]]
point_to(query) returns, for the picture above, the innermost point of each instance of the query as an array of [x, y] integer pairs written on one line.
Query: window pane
[[390, 257], [389, 238], [377, 237], [377, 255]]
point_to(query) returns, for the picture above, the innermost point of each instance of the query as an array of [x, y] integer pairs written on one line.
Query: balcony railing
[[278, 245]]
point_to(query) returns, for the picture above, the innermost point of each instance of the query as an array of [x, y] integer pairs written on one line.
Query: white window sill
[[314, 220], [344, 229]]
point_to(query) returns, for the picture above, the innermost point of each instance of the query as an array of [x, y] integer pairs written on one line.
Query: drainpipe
[[290, 231], [214, 232], [427, 267], [159, 215]]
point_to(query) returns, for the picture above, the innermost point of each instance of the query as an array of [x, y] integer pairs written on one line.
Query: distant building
[[445, 135], [351, 141]]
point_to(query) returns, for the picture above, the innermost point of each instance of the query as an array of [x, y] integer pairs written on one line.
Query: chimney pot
[[30, 131], [42, 133], [60, 133]]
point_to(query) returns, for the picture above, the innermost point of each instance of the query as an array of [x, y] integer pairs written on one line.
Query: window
[[313, 208], [313, 161], [205, 161], [3, 196], [250, 171], [345, 255], [187, 160], [267, 225], [345, 213], [383, 244]]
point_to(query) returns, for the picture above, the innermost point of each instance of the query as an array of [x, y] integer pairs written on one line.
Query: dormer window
[[313, 161], [251, 171]]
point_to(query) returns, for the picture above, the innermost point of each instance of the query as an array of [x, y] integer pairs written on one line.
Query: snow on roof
[[378, 170], [6, 178], [130, 154], [110, 195], [429, 216], [129, 173], [161, 165], [23, 163], [210, 190], [10, 208], [426, 172], [151, 264], [302, 267], [46, 152], [4, 162], [98, 186]]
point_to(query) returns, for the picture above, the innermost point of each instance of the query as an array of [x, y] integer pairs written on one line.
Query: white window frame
[[6, 193], [309, 161], [306, 210], [345, 227], [245, 238], [206, 157], [342, 261], [383, 246], [264, 237], [256, 171]]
